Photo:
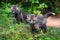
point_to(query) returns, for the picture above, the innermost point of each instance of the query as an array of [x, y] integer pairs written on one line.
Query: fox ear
[[12, 6], [18, 8], [28, 16]]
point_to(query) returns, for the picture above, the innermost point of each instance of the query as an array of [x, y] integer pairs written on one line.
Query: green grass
[[10, 30], [20, 32]]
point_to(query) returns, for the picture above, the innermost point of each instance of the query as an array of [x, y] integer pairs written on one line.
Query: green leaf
[[35, 1], [7, 9], [47, 38]]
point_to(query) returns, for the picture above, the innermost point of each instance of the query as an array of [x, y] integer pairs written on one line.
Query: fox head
[[15, 8], [31, 19]]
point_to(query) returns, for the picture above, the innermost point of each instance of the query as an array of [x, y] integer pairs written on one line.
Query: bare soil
[[53, 22]]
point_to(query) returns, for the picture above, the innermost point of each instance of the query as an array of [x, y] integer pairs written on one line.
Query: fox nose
[[31, 21]]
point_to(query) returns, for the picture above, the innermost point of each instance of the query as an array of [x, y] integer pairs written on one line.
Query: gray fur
[[18, 14], [39, 22]]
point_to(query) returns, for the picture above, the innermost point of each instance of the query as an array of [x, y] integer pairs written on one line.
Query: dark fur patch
[[18, 14]]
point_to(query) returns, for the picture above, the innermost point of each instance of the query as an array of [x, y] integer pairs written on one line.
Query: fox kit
[[32, 21], [38, 22], [18, 14]]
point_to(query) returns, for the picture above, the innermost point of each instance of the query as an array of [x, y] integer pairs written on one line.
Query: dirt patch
[[53, 22]]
